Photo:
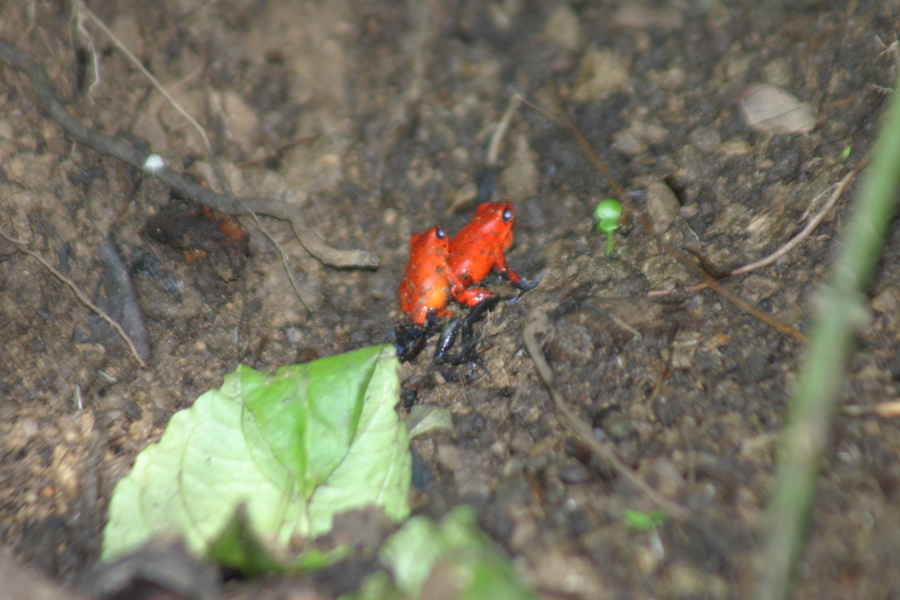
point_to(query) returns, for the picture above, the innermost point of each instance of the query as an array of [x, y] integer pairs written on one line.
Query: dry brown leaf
[[770, 108]]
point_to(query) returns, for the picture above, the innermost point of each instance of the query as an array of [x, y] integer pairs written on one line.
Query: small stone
[[563, 28], [669, 79], [602, 72], [757, 288], [706, 139], [629, 144], [683, 348], [240, 120], [637, 16], [574, 474], [449, 457], [521, 442], [638, 137], [662, 206], [886, 301], [617, 426], [667, 477], [778, 73], [735, 147]]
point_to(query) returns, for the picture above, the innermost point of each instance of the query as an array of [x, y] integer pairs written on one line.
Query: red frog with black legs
[[440, 269], [427, 281], [481, 246], [425, 291]]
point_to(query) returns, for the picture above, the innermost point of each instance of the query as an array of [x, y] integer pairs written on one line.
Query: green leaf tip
[[268, 458], [422, 548]]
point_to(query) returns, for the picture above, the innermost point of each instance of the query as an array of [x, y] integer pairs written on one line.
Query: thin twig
[[615, 320], [78, 293], [839, 190], [79, 17], [550, 117], [581, 430], [886, 410], [619, 193], [690, 289], [285, 262], [277, 151], [493, 155], [123, 151], [81, 8]]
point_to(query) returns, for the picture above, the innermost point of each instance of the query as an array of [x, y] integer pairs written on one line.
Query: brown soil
[[394, 105]]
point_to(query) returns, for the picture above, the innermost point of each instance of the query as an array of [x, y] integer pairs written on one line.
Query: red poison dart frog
[[427, 281], [440, 269], [425, 291], [481, 246]]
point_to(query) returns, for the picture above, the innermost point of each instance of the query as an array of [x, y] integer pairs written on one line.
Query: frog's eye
[[440, 233], [507, 214]]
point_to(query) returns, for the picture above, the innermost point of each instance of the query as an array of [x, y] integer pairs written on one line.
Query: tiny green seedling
[[846, 153], [642, 521], [607, 214], [648, 522]]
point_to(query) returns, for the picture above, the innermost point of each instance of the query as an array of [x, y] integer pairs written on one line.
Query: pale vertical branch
[[841, 313]]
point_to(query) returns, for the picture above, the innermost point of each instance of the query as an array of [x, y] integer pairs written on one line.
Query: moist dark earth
[[376, 118]]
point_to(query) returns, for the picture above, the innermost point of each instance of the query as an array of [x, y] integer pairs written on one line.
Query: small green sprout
[[846, 153], [642, 521], [607, 214]]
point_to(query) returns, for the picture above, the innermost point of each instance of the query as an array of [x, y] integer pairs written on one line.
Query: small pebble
[[662, 206], [573, 474]]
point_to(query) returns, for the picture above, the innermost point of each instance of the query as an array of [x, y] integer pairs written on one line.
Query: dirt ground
[[375, 117]]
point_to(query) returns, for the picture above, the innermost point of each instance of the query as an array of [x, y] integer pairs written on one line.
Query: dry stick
[[614, 319], [493, 155], [810, 226], [582, 430], [285, 262], [839, 190], [619, 192], [278, 150], [82, 9], [886, 410], [836, 194], [79, 294], [127, 154], [78, 18]]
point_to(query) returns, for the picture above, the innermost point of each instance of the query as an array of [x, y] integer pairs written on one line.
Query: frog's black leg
[[446, 340], [409, 340], [464, 328], [480, 310], [526, 286]]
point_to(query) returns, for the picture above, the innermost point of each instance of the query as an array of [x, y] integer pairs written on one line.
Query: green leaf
[[269, 458], [423, 555]]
